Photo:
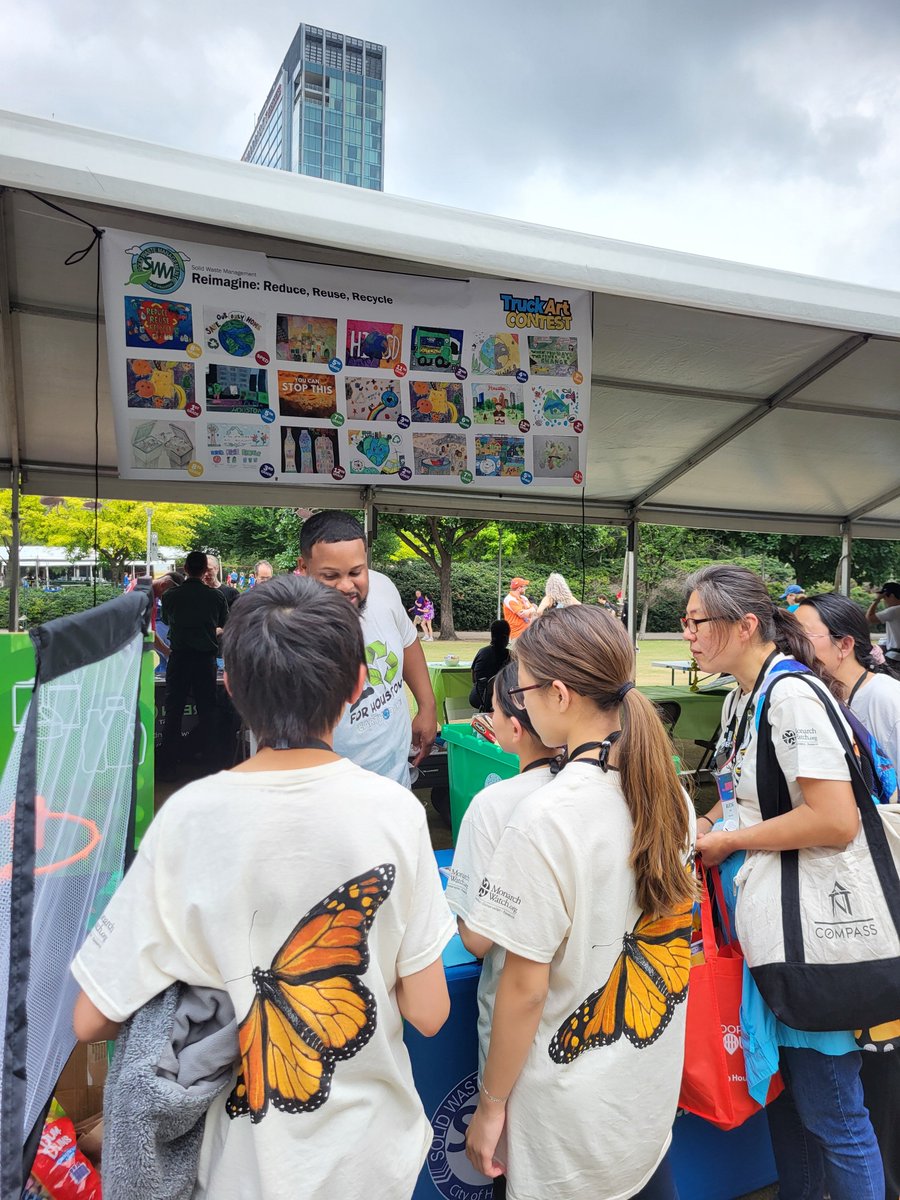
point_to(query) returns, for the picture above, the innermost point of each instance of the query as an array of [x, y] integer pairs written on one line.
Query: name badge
[[725, 786]]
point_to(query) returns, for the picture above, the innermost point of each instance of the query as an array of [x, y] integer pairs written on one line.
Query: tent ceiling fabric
[[687, 350]]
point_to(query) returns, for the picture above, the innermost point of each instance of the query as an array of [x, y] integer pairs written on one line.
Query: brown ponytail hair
[[590, 652]]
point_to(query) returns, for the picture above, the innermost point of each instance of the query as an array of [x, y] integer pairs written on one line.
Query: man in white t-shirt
[[252, 881], [376, 731], [889, 617]]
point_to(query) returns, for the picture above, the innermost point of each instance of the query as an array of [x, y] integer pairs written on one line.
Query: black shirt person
[[488, 661], [195, 613]]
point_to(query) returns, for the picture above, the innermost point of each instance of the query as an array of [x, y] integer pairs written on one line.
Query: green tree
[[242, 534], [662, 556], [121, 529], [32, 519], [815, 560], [436, 540]]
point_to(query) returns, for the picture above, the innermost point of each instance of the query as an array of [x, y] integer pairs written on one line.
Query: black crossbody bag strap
[[775, 799]]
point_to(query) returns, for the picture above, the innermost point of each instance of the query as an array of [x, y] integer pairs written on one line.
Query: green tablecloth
[[455, 681], [700, 711]]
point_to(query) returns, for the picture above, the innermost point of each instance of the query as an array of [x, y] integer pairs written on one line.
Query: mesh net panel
[[85, 761]]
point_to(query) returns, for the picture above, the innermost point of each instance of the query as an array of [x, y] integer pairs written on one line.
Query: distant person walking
[[517, 608], [557, 594], [422, 610], [263, 571]]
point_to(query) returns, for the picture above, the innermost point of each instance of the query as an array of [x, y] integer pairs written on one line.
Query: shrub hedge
[[38, 606]]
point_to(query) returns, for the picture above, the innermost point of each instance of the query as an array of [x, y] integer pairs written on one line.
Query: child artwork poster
[[265, 370], [158, 383], [157, 324], [306, 450]]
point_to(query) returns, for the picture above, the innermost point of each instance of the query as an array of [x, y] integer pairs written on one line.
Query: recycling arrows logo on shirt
[[377, 652]]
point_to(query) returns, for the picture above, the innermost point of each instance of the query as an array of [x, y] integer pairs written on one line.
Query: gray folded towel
[[172, 1058]]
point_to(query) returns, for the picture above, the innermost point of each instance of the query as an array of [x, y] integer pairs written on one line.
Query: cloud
[[761, 132]]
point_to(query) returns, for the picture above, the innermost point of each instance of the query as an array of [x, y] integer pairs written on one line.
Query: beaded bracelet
[[493, 1099]]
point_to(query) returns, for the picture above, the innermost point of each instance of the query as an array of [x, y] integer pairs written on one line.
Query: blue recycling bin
[[445, 1069], [707, 1163]]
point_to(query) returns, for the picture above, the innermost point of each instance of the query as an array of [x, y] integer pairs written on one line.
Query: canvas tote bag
[[820, 928]]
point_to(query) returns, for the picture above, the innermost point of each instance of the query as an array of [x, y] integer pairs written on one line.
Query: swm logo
[[156, 267]]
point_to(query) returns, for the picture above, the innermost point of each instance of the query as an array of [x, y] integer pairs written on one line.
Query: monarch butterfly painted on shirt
[[310, 1010], [648, 979]]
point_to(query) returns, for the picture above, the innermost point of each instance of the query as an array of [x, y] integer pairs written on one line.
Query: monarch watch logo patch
[[157, 267]]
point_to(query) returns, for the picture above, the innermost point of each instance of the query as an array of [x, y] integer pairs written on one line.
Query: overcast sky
[[765, 131]]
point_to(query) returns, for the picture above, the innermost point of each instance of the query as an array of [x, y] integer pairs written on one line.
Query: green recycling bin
[[473, 763]]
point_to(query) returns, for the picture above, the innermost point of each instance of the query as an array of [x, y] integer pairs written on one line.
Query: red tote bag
[[714, 1083]]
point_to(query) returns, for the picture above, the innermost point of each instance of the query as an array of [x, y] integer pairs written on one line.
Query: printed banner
[[226, 364]]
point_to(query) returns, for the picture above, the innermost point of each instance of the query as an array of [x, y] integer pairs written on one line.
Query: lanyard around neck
[[734, 740], [857, 686], [604, 747]]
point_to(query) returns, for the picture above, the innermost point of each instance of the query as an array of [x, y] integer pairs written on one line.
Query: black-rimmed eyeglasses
[[515, 694], [691, 624]]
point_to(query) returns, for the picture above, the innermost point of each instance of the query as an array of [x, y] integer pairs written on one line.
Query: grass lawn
[[649, 651]]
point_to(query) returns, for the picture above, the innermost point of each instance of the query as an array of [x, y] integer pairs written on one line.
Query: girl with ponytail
[[590, 894], [821, 1133]]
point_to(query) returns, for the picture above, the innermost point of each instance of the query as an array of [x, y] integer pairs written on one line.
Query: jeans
[[821, 1133], [880, 1077]]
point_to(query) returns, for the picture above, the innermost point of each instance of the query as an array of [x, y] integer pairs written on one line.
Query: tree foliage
[[121, 529], [241, 535], [436, 540]]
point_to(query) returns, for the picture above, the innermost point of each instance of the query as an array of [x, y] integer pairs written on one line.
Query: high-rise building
[[324, 115]]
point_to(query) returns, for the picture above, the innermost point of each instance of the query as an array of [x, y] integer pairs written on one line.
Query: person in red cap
[[517, 608]]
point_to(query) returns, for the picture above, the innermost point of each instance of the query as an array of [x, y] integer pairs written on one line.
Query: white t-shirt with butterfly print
[[479, 834], [559, 890], [228, 870]]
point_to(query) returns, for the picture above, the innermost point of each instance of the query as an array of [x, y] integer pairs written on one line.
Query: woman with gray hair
[[557, 594], [822, 1137]]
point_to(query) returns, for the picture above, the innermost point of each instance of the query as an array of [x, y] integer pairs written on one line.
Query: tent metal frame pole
[[370, 512], [13, 563], [10, 396], [845, 566], [631, 562]]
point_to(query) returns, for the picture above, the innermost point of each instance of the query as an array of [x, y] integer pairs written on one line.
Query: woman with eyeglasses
[[589, 894], [842, 641], [821, 1133]]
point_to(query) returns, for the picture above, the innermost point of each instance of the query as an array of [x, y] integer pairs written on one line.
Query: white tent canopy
[[722, 395]]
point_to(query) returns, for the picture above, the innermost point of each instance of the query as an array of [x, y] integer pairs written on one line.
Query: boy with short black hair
[[306, 888]]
